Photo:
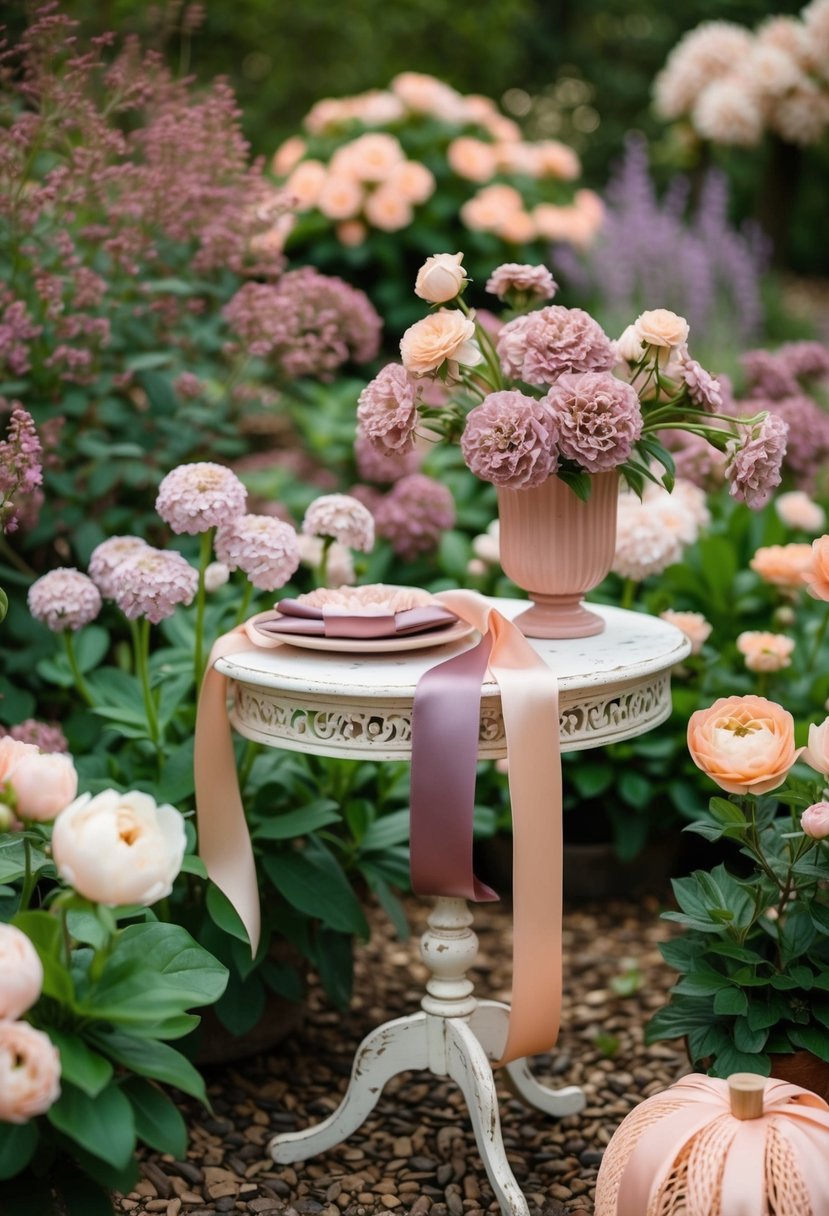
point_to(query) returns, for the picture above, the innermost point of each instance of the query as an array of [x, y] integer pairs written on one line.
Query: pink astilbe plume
[[20, 467]]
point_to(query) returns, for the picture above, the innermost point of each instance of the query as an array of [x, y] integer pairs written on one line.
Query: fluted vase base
[[554, 616]]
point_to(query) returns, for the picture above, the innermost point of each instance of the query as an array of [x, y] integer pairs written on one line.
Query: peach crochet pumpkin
[[708, 1147]]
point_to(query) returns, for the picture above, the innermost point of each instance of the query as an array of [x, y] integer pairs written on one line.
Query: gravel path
[[416, 1153]]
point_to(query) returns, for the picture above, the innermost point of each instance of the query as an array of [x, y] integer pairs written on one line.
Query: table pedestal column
[[453, 1035]]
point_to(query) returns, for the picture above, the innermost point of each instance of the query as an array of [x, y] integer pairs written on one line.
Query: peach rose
[[413, 181], [744, 744], [501, 128], [517, 227], [21, 973], [662, 329], [44, 785], [444, 336], [693, 624], [340, 197], [816, 751], [782, 565], [288, 155], [305, 183], [29, 1072], [816, 574], [557, 160], [815, 820], [519, 157], [119, 848], [765, 651], [387, 210], [351, 233], [797, 510], [440, 278], [552, 223], [373, 156], [472, 159]]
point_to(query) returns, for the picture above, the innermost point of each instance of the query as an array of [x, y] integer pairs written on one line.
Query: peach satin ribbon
[[529, 705]]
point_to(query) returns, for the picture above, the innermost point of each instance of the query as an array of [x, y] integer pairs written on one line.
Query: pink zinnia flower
[[539, 347], [511, 440], [263, 547], [153, 582], [753, 466], [387, 409], [64, 599], [598, 419], [414, 515], [195, 497], [527, 282], [342, 518], [107, 557]]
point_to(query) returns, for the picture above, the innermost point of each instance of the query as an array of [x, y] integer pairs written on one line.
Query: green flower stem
[[321, 571], [487, 348], [628, 593], [77, 675], [142, 666], [250, 754], [244, 604], [205, 553], [819, 636], [29, 879]]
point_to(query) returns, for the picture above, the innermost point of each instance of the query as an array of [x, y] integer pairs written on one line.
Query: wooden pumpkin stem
[[745, 1093]]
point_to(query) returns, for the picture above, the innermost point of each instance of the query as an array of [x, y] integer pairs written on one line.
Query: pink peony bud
[[29, 1072], [44, 784], [21, 973], [815, 820]]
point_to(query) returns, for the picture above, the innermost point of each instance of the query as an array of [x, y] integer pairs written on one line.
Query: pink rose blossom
[[539, 347], [263, 547], [511, 440], [21, 973], [343, 519], [43, 785], [765, 651], [387, 409], [598, 419], [441, 278], [195, 497], [753, 466], [12, 754], [107, 557], [513, 279], [815, 820], [798, 510], [414, 515], [64, 599], [693, 624], [153, 582], [382, 466], [29, 1072]]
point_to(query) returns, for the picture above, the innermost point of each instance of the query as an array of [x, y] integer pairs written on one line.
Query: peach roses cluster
[[794, 566]]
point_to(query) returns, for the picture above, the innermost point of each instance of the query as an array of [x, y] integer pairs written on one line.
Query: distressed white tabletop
[[612, 686]]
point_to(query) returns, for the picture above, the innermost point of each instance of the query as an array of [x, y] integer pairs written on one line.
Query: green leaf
[[796, 933], [79, 1063], [104, 1125], [176, 781], [730, 1060], [243, 1004], [726, 812], [147, 1058], [223, 914], [677, 1018], [748, 1038], [91, 645], [813, 1038], [634, 789], [388, 830], [299, 822], [703, 981], [730, 1001], [334, 960], [4, 605], [314, 882], [158, 1121], [820, 918], [18, 1142]]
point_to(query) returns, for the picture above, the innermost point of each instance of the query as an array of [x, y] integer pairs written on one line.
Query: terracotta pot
[[557, 548], [802, 1068]]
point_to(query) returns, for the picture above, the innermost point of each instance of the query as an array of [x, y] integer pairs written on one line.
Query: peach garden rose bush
[[754, 957]]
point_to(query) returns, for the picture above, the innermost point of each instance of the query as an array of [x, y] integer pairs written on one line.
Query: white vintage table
[[357, 706]]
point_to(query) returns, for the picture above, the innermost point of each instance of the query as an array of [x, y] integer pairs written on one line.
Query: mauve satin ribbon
[[804, 1122], [529, 705]]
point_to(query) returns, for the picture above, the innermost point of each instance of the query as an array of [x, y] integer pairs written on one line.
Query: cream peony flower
[[815, 820], [444, 336], [441, 278], [29, 1072], [21, 973], [472, 159], [119, 848], [816, 752], [387, 209]]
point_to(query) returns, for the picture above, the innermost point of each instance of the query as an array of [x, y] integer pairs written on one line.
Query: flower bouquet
[[551, 411]]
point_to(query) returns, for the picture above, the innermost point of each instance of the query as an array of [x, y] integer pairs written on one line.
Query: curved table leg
[[389, 1049], [489, 1022], [467, 1064]]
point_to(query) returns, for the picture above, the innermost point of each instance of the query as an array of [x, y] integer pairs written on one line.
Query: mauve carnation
[[807, 444], [511, 440], [263, 547], [343, 519], [153, 582], [414, 515], [598, 419], [703, 388], [107, 557], [196, 497], [767, 375], [529, 282], [387, 409], [64, 599], [539, 347], [382, 466], [753, 466]]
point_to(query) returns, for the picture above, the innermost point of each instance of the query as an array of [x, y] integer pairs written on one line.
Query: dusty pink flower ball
[[342, 518], [263, 547], [511, 440], [195, 497], [414, 515], [539, 347], [107, 557], [514, 279], [29, 1072], [387, 409], [753, 467], [644, 544], [382, 466], [153, 582], [598, 419], [64, 599]]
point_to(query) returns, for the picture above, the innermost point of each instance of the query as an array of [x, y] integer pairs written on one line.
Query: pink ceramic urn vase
[[557, 548]]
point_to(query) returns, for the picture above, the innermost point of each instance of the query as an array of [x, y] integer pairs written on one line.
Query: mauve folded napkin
[[292, 616]]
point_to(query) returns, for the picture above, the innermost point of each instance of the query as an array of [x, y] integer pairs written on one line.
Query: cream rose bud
[[44, 785], [629, 345], [816, 752], [662, 329], [815, 820], [29, 1072], [21, 973], [440, 278], [119, 848], [445, 335]]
